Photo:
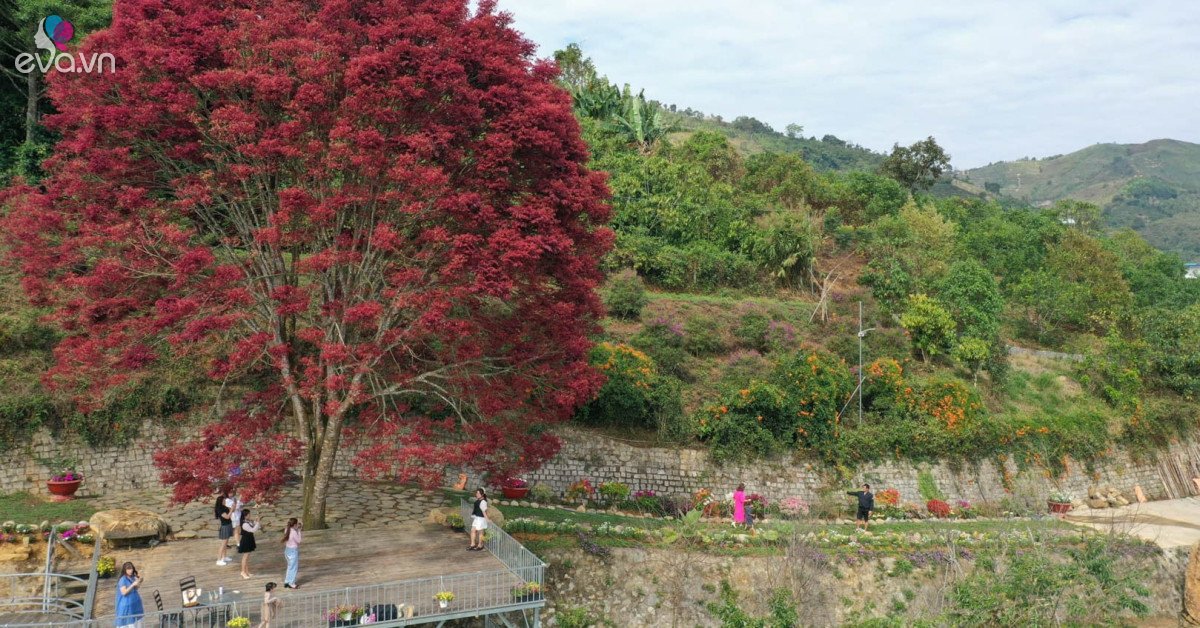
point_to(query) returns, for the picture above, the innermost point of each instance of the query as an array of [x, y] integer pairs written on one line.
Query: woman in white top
[[291, 552], [479, 520], [235, 509], [246, 543]]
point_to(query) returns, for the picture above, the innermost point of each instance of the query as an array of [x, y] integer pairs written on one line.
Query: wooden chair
[[189, 592], [166, 620]]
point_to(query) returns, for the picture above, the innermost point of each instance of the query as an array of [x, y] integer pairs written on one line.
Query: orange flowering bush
[[819, 385], [888, 497], [952, 402]]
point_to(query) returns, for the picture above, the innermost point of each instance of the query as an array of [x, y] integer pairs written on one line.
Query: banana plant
[[640, 121], [597, 99]]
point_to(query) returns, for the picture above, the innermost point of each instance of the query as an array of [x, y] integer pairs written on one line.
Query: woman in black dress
[[246, 543]]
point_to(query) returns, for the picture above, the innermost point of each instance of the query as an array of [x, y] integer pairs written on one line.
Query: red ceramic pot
[[63, 491], [1059, 508], [515, 493]]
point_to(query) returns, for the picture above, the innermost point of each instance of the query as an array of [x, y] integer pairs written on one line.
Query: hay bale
[[129, 525]]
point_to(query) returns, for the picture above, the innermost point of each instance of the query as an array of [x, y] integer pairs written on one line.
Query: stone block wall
[[667, 471], [684, 471], [105, 469]]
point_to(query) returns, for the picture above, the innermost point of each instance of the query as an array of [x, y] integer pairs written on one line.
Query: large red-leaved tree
[[371, 218]]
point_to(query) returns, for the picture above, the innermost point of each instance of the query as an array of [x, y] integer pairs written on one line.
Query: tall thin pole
[[860, 374]]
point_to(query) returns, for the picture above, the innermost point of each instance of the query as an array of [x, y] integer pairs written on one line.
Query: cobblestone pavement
[[352, 504]]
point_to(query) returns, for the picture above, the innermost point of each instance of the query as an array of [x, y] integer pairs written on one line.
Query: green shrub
[[927, 486], [930, 326], [702, 336], [735, 437], [21, 416], [742, 366], [613, 492], [20, 331], [542, 494], [576, 617], [634, 394], [1096, 584], [729, 611], [662, 339], [752, 328], [626, 295]]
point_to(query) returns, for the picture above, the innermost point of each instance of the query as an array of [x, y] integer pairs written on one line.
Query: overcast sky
[[990, 80]]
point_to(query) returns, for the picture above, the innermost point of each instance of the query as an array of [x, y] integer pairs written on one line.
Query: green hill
[[1153, 188], [751, 137]]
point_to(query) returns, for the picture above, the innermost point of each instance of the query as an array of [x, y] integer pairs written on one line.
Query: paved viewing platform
[[393, 568]]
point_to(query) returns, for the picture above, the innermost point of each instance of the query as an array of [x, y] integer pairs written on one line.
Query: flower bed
[[13, 532]]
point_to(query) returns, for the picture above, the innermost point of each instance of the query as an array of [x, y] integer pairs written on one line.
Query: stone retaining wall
[[104, 469], [684, 471], [667, 471]]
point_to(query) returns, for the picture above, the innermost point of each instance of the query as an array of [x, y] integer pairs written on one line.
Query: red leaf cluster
[[380, 208]]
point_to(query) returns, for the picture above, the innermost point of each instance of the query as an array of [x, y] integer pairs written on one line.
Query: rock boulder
[[129, 525], [1191, 586], [437, 516]]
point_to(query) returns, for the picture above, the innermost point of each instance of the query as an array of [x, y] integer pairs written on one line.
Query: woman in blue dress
[[129, 601]]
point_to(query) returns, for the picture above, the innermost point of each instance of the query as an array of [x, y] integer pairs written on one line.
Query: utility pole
[[861, 334]]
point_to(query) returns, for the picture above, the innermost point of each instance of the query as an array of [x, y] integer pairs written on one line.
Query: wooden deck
[[329, 560]]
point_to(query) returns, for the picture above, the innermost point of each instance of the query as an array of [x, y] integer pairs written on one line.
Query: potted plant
[[64, 479], [515, 488], [1059, 502], [455, 521], [528, 590], [345, 615], [444, 598], [581, 491], [238, 622], [106, 566]]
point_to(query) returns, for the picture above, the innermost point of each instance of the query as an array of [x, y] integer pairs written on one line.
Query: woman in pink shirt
[[739, 505], [291, 552]]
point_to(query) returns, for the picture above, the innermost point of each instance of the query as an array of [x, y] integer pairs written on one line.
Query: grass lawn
[[591, 517], [26, 508]]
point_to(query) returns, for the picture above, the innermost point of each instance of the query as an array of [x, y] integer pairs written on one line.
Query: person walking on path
[[129, 610], [270, 607], [479, 520], [866, 503], [246, 544], [739, 505], [224, 525], [291, 552]]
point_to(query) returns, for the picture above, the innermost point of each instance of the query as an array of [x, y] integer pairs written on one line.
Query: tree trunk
[[31, 105], [312, 456], [314, 503]]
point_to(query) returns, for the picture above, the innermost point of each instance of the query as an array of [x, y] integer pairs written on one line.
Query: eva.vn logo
[[52, 35]]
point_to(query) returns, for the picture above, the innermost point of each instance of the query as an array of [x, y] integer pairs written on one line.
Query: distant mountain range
[[1153, 187]]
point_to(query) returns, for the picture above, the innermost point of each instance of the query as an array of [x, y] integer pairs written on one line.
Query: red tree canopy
[[376, 214]]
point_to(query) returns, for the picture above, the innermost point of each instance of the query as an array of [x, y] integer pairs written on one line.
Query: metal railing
[[400, 603], [508, 550], [40, 593]]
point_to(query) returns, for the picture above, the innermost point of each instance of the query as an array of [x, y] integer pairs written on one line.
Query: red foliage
[[938, 508], [379, 207]]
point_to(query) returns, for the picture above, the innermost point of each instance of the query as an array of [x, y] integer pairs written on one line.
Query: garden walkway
[[1169, 523], [352, 504]]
